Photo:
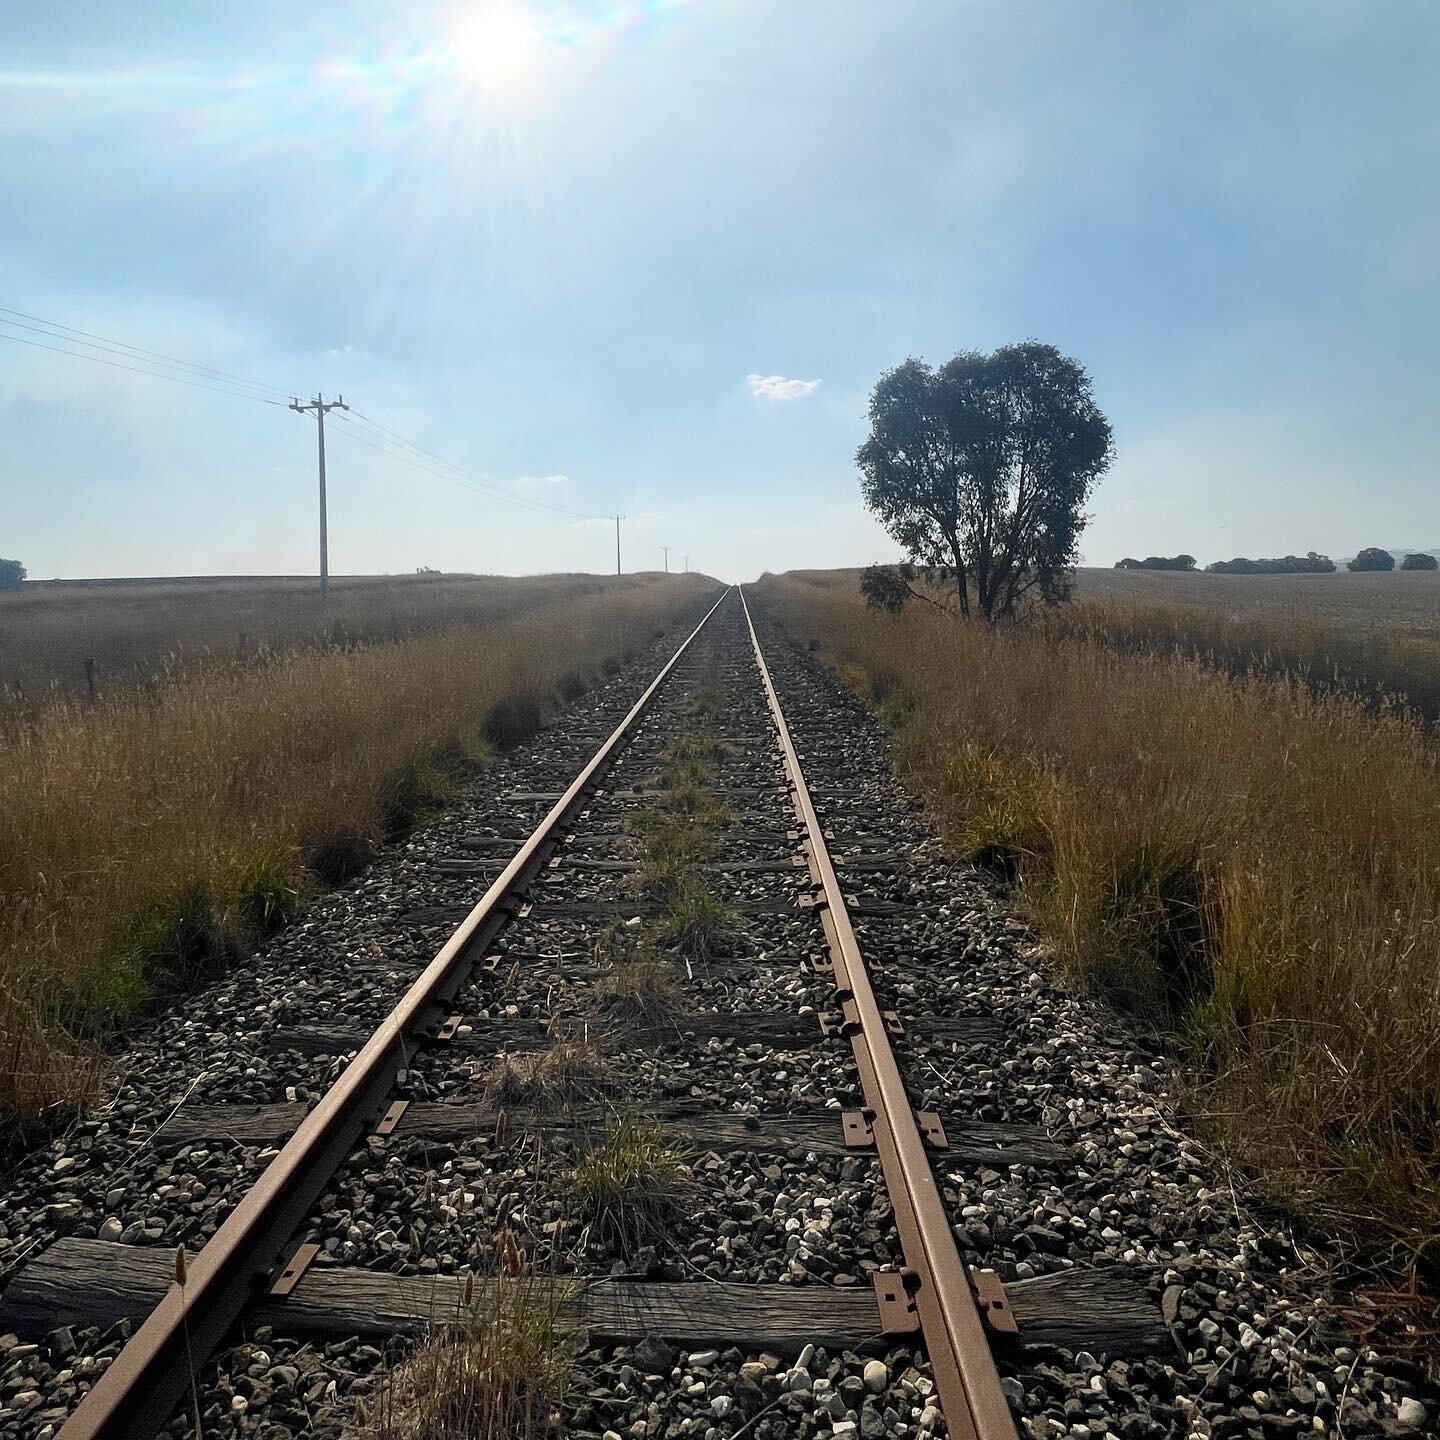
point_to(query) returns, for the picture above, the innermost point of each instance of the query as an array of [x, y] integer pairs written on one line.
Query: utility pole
[[617, 544], [320, 405], [687, 564], [666, 549]]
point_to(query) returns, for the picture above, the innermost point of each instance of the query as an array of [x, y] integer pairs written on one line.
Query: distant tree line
[[1157, 562], [1310, 563], [12, 573]]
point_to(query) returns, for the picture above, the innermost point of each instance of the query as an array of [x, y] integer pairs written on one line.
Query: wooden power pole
[[320, 406]]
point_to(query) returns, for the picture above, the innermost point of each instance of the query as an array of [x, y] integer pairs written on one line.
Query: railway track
[[683, 935]]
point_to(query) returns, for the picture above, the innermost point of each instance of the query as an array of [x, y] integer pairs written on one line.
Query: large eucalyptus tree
[[981, 470]]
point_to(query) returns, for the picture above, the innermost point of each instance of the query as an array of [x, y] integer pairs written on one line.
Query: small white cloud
[[777, 387], [542, 482]]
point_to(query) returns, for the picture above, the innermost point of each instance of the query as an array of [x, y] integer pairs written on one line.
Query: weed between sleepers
[[567, 1072], [631, 1188], [500, 1369], [677, 834]]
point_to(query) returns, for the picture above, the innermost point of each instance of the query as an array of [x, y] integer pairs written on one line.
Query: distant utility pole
[[617, 544], [666, 549], [320, 405], [687, 564]]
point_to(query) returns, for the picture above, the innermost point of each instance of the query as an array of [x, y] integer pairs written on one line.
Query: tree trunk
[[962, 585]]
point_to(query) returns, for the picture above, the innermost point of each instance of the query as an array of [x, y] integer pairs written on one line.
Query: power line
[[428, 460], [499, 491], [354, 433], [133, 350], [390, 442], [460, 478], [136, 370]]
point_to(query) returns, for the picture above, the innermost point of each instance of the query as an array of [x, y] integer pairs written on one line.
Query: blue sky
[[652, 256]]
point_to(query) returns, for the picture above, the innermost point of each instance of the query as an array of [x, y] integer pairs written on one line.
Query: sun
[[494, 46]]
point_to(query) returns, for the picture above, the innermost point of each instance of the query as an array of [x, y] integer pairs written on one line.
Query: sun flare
[[495, 45]]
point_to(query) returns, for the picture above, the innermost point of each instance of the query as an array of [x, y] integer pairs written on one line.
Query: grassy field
[[1368, 632], [1243, 860], [148, 837], [138, 631], [1362, 600]]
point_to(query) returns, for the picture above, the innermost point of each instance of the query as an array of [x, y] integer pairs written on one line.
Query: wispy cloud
[[542, 482], [778, 387]]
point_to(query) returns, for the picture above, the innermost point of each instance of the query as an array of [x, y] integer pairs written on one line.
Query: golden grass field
[[1245, 860], [138, 630], [147, 837]]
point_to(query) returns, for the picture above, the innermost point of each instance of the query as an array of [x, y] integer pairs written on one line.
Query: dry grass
[[567, 1072], [697, 924], [642, 990], [146, 632], [677, 835], [1362, 633], [1380, 604], [639, 987], [1370, 635], [501, 1370], [1248, 861], [146, 838]]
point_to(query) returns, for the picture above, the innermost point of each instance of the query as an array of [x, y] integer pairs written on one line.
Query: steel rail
[[152, 1374], [955, 1338]]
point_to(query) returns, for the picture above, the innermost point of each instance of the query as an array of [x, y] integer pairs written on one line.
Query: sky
[[651, 257]]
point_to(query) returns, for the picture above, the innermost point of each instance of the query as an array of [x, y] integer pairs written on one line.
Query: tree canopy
[[1157, 562], [980, 470], [1372, 557], [12, 572], [1420, 560], [1310, 563]]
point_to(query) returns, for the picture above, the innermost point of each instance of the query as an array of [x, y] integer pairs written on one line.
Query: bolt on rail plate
[[993, 1303], [932, 1128], [295, 1265], [895, 1300], [859, 1129], [391, 1118], [844, 1021]]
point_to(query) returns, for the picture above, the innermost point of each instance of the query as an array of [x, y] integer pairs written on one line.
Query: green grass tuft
[[632, 1188]]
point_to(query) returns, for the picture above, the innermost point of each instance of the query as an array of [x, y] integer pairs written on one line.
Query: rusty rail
[[150, 1377], [940, 1288]]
